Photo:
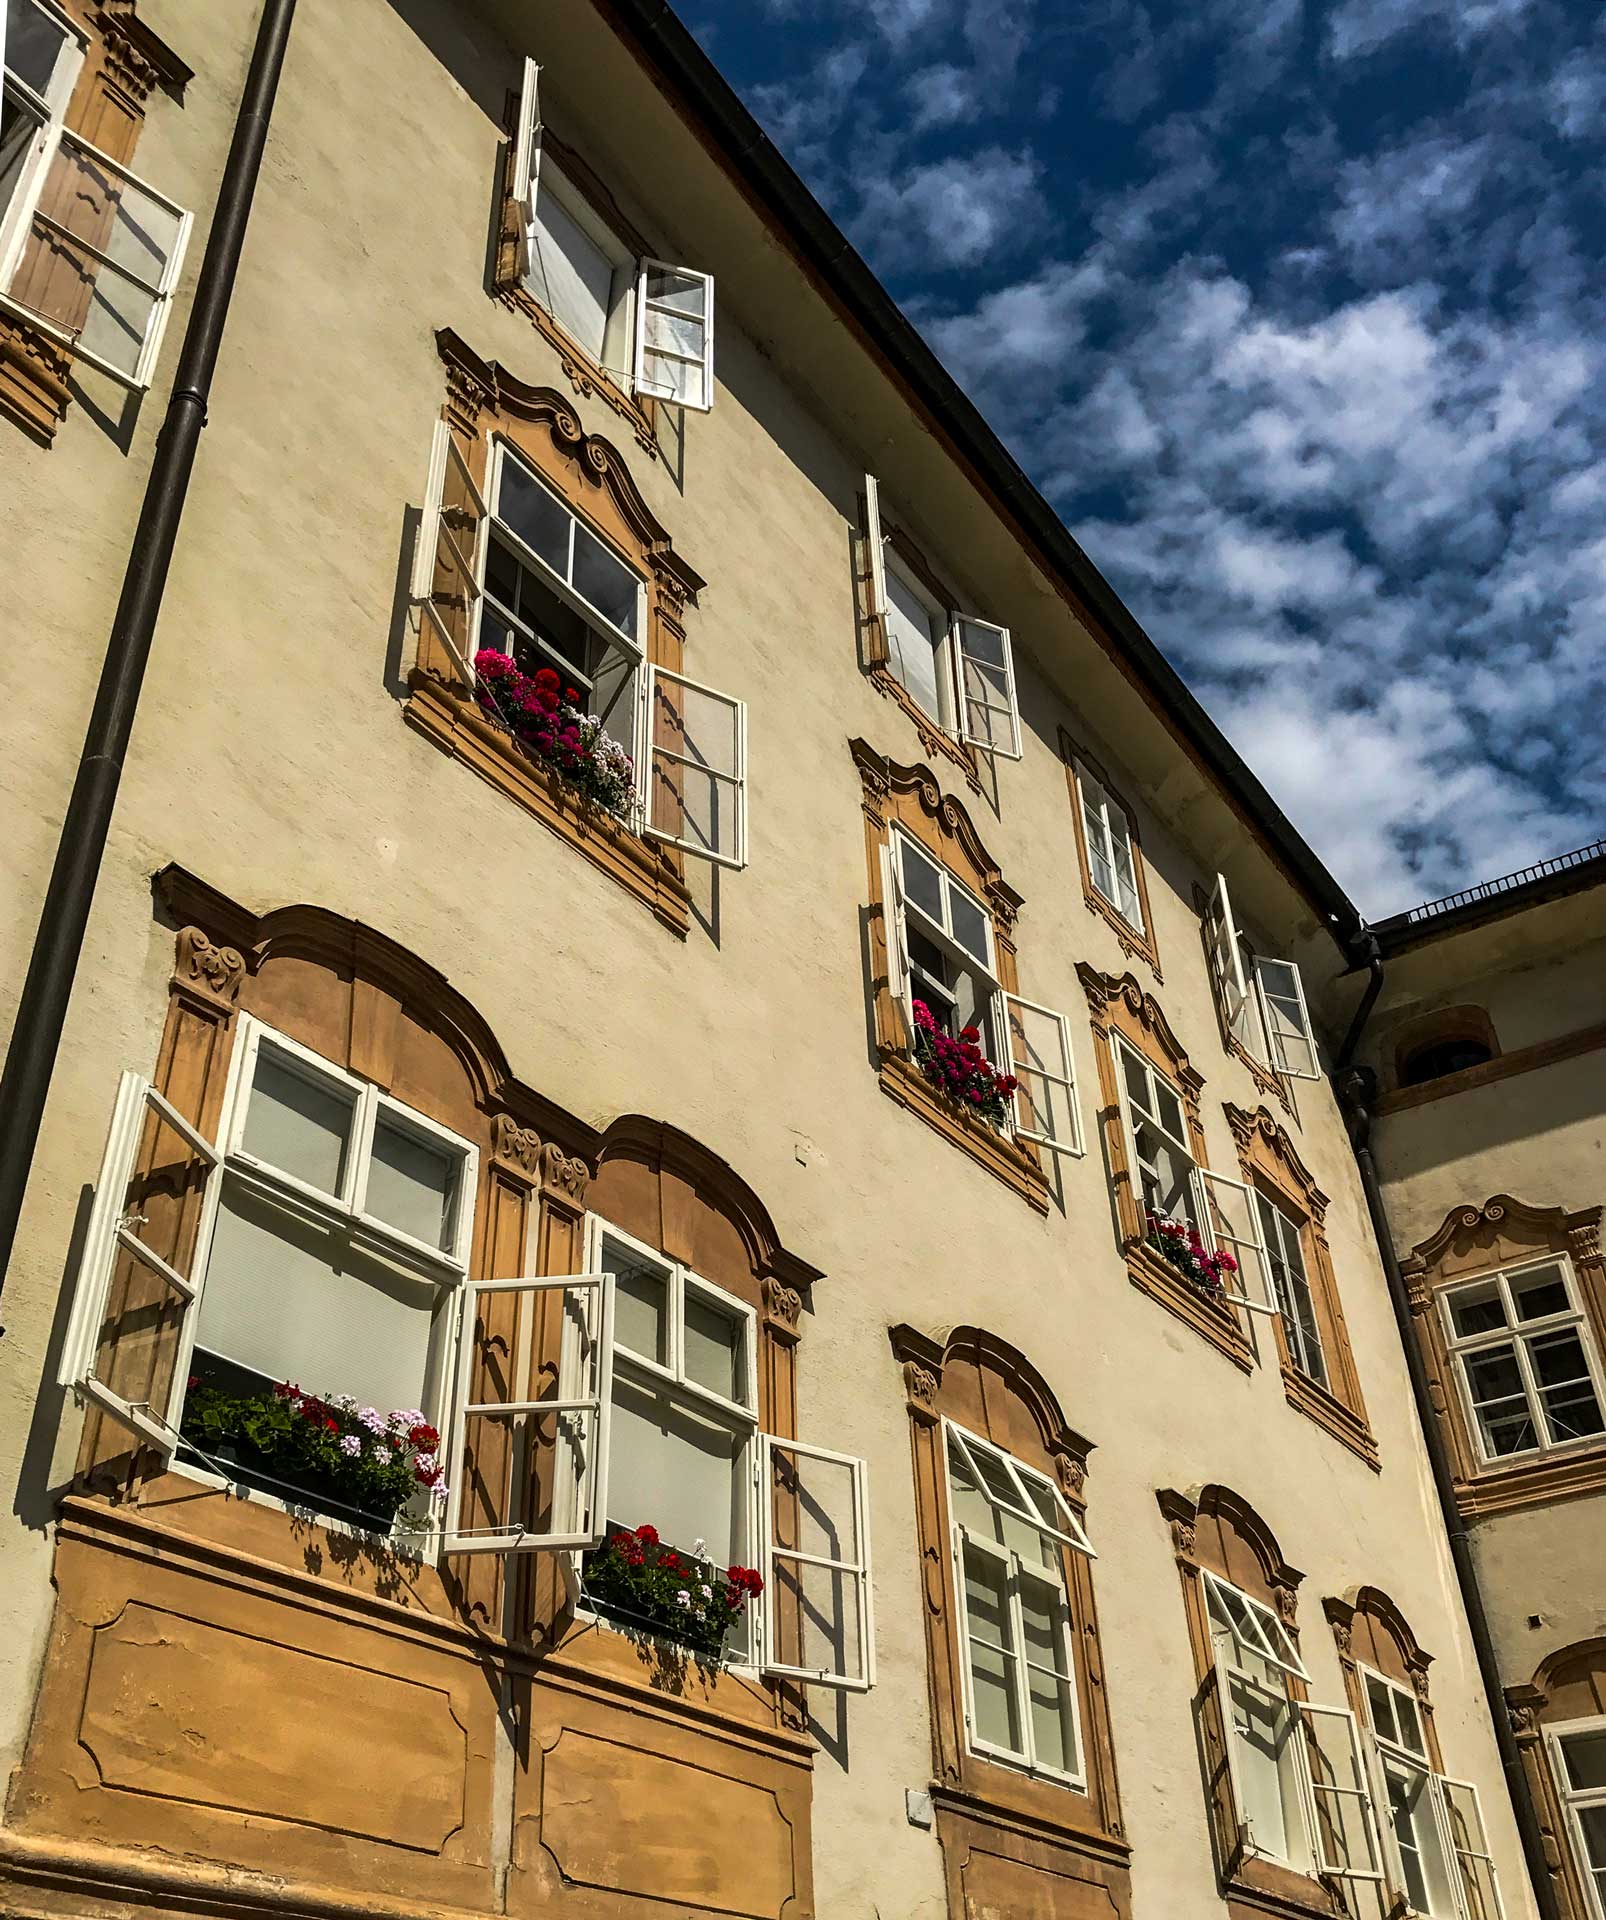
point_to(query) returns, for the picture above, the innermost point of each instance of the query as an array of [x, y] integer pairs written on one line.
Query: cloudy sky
[[1294, 309]]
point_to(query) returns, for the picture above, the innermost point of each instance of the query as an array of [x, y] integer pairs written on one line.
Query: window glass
[[1536, 1387], [18, 127], [714, 1349], [1539, 1292], [536, 515], [605, 582], [298, 1124], [1291, 1286], [412, 1183], [915, 638], [969, 925], [1572, 1411], [640, 1302], [922, 880], [1380, 1699], [1439, 1057], [1585, 1755], [993, 1660], [34, 43], [575, 266], [1477, 1309], [677, 1466]]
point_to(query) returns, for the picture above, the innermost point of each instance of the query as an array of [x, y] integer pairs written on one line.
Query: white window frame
[[1575, 1802], [1242, 992], [1072, 1535], [1099, 817], [940, 933], [1249, 1250], [856, 1568], [54, 133], [952, 696], [732, 782], [1129, 1124], [645, 305], [1515, 1334], [435, 527], [633, 305], [1443, 1786], [1061, 1075], [1295, 1336]]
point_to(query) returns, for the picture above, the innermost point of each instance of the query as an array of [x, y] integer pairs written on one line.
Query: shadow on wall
[[1512, 1117]]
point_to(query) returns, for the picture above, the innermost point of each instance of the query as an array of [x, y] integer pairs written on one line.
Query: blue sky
[[1294, 310]]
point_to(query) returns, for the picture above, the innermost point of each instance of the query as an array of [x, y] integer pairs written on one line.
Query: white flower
[[682, 1598], [706, 1592], [346, 1402], [381, 1453], [372, 1419], [438, 1491], [425, 1463], [350, 1443]]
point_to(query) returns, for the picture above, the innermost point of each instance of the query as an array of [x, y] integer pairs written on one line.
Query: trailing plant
[[638, 1582], [1179, 1245], [960, 1069], [324, 1445], [548, 722]]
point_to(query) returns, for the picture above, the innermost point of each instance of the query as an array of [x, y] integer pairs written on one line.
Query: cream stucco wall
[[271, 758]]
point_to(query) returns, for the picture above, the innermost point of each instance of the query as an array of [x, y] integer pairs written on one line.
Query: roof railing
[[1507, 883]]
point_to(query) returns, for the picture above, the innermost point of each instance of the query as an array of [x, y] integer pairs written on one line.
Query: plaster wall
[[271, 758], [1544, 1562]]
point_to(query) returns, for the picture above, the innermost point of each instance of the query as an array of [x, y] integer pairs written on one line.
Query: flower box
[[1179, 1245], [545, 719], [961, 1070], [643, 1586], [350, 1463]]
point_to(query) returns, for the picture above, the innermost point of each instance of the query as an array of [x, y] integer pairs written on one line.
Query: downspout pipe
[[42, 1009], [1357, 1089]]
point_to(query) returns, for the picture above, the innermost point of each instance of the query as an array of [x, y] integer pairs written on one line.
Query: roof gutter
[[753, 158]]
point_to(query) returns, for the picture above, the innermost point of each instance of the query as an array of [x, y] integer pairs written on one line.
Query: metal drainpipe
[[1356, 1088], [42, 1010]]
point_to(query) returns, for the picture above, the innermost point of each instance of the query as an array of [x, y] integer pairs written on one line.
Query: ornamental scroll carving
[[564, 1176], [517, 1150], [204, 967], [783, 1307]]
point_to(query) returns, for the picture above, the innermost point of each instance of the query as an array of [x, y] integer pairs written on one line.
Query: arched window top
[[1217, 1529], [1372, 1630], [1443, 1042]]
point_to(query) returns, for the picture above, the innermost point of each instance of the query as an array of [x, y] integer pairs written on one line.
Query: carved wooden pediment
[[1501, 1229]]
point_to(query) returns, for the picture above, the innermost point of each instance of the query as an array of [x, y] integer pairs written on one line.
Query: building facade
[[1490, 1124], [672, 961]]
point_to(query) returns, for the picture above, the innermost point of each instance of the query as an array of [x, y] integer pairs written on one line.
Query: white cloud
[[1361, 26], [956, 212], [941, 96], [1577, 95]]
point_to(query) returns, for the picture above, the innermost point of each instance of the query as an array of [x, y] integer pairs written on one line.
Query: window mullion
[[1530, 1385]]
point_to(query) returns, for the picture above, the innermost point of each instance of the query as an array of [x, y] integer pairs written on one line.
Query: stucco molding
[[1501, 1217], [208, 970], [883, 777]]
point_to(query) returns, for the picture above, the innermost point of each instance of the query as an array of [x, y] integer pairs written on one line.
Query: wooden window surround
[[1010, 1843], [125, 60], [910, 797], [483, 401], [1369, 1630], [934, 739], [1216, 1531], [1137, 943], [135, 1535], [1568, 1687], [1119, 1005], [585, 374], [1266, 1078], [1269, 1163], [1476, 1239]]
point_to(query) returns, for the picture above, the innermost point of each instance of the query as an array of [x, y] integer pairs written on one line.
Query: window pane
[[1593, 1822], [1410, 1724], [412, 1183], [1585, 1755], [1053, 1720], [677, 1468], [1263, 1728], [969, 925], [606, 582], [18, 126], [1494, 1374], [640, 1304], [33, 44], [991, 1667], [1380, 1698], [540, 520], [1410, 1815], [922, 880], [1539, 1291], [914, 634], [1477, 1309], [292, 1303], [570, 272], [1137, 1081], [298, 1124], [1168, 1111], [972, 1509], [1164, 1171], [714, 1349]]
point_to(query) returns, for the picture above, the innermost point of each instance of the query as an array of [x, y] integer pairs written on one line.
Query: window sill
[[34, 371], [1346, 1426], [1536, 1482], [583, 373], [1016, 1166], [1214, 1321], [1266, 1887], [932, 736], [457, 727]]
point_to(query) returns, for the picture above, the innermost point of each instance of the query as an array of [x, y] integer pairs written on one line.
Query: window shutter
[[1344, 1830], [817, 1621], [873, 540], [117, 246], [675, 334], [1281, 993], [1460, 1816], [565, 1411], [1230, 1222], [696, 793], [527, 149], [1226, 961], [893, 928], [984, 667], [155, 1159], [446, 560], [1046, 1107]]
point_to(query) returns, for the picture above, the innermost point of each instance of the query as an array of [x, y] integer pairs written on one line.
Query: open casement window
[[675, 335], [816, 1621], [448, 559], [1108, 834], [984, 667], [1344, 1826], [1011, 1526], [1473, 1879], [947, 946], [1262, 1000], [1155, 1130], [876, 550], [529, 1440], [1046, 1108], [89, 252], [696, 796], [527, 151], [153, 1208], [1229, 1222], [895, 930]]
